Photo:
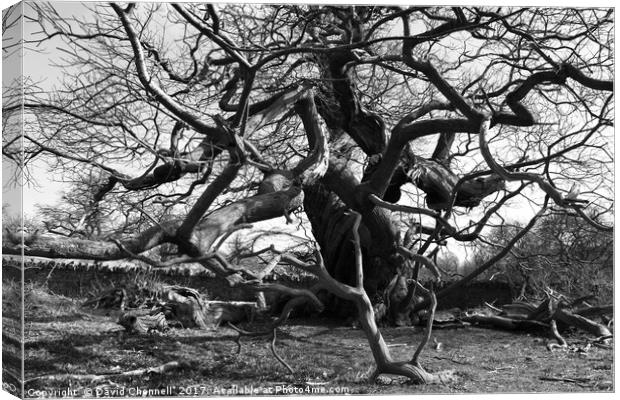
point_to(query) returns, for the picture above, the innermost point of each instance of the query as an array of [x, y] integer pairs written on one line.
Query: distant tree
[[562, 253], [450, 264]]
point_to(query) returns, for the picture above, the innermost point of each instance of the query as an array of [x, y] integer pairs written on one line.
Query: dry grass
[[61, 338]]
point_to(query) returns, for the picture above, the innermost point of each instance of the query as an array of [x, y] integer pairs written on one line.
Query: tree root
[[416, 374], [554, 331]]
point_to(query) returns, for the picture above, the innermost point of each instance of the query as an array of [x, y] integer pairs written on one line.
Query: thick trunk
[[340, 189], [331, 226], [380, 351]]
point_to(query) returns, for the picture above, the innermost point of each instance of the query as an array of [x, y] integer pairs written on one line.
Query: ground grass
[[62, 338], [11, 335]]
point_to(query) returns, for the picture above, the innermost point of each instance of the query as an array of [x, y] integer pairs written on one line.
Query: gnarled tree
[[200, 119]]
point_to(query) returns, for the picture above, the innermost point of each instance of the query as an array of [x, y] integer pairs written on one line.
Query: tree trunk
[[332, 230], [331, 226], [326, 204]]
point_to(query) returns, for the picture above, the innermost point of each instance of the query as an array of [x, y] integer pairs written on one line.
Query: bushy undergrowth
[[562, 253]]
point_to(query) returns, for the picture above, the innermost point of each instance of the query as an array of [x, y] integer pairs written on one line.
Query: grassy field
[[64, 339]]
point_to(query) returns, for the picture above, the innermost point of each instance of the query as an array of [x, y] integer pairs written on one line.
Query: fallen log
[[550, 314], [505, 322], [571, 319], [517, 310], [456, 324], [595, 310]]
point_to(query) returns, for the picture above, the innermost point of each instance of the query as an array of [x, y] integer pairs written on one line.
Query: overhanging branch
[[160, 95]]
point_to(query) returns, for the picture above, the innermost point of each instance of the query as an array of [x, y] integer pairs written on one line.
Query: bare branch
[[165, 99]]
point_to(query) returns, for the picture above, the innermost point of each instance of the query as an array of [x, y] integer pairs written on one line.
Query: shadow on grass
[[60, 318]]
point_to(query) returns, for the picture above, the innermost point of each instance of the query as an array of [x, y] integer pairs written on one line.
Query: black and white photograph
[[245, 199]]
